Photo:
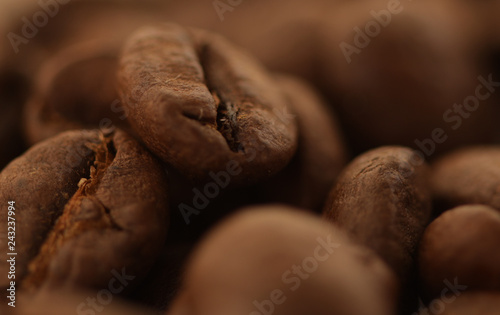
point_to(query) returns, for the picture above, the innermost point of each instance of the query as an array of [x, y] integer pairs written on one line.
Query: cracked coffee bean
[[86, 204], [466, 176], [203, 105], [461, 246], [284, 261]]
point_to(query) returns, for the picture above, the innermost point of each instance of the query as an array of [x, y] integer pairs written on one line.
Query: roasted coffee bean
[[469, 175], [203, 105], [86, 204], [76, 89], [406, 77], [283, 261], [461, 246], [383, 201], [320, 156]]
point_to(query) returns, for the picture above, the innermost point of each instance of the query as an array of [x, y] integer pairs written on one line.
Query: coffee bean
[[461, 244], [44, 178], [383, 201], [203, 105], [404, 73], [86, 204], [76, 89], [466, 176], [283, 261]]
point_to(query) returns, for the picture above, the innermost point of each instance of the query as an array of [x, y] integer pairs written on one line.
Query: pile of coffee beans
[[250, 157]]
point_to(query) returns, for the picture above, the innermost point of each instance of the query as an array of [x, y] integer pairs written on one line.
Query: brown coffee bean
[[203, 105], [469, 175], [86, 204], [383, 201], [320, 156], [406, 77], [76, 89], [469, 303], [461, 245], [285, 262], [75, 60]]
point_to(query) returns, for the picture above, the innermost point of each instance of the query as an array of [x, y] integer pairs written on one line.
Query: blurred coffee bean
[[461, 247], [467, 176], [76, 89], [404, 73], [277, 259]]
